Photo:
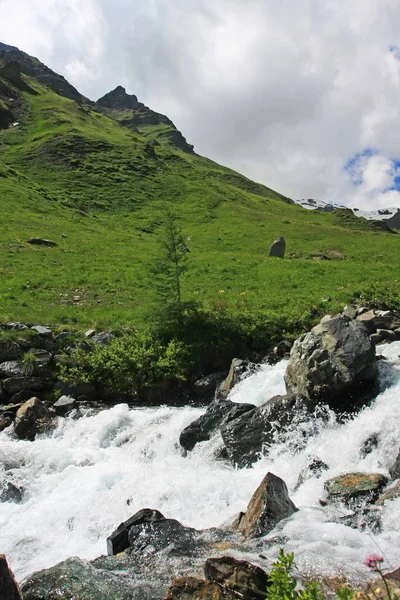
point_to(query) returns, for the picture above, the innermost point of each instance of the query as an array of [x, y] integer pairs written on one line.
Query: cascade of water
[[91, 473]]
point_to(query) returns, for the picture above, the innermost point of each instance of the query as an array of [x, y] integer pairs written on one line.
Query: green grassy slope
[[69, 170]]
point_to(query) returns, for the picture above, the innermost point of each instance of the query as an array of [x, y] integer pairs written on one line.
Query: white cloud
[[286, 92]]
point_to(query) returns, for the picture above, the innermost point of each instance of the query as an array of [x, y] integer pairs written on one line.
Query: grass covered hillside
[[98, 179]]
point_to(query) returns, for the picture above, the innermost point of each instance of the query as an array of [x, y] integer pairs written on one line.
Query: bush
[[128, 363], [283, 584]]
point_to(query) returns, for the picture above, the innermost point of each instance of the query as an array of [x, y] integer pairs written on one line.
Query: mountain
[[390, 215], [98, 178]]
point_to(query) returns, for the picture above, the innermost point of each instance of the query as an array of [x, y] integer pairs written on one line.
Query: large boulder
[[216, 414], [32, 418], [249, 435], [269, 504], [334, 363], [9, 589]]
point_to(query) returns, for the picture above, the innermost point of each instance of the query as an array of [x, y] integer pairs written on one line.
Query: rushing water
[[95, 471]]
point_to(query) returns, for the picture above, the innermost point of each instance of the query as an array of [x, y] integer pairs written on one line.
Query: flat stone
[[352, 485]]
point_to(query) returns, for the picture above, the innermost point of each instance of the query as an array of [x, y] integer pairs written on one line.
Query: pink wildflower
[[372, 560]]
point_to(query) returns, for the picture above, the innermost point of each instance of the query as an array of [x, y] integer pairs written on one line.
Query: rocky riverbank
[[333, 367]]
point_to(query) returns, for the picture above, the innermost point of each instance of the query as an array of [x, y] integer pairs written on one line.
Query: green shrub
[[283, 584], [128, 363]]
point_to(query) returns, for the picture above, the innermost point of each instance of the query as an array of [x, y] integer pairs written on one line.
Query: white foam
[[91, 474]]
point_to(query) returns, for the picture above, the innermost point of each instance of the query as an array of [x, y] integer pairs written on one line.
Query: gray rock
[[12, 368], [394, 470], [12, 385], [103, 338], [119, 539], [283, 348], [43, 357], [247, 436], [349, 311], [17, 326], [216, 414], [152, 537], [205, 387], [43, 331], [32, 418], [278, 247], [11, 493], [390, 494], [334, 363], [89, 333], [78, 579], [64, 405], [379, 319], [269, 504], [387, 334], [9, 589], [41, 242], [9, 350], [314, 468]]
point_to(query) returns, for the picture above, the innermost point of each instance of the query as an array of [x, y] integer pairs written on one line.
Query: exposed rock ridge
[[33, 67]]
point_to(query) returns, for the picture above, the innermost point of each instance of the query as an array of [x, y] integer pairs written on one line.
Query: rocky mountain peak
[[119, 99]]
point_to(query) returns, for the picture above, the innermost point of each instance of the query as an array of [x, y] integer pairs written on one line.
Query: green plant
[[128, 363], [167, 270], [282, 584]]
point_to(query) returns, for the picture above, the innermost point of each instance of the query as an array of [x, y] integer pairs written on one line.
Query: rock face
[[9, 589], [33, 417], [278, 247], [335, 363], [248, 435], [269, 504]]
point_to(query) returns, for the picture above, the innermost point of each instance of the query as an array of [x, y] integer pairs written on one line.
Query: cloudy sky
[[302, 95]]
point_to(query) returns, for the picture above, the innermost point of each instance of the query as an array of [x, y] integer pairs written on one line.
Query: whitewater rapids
[[93, 472]]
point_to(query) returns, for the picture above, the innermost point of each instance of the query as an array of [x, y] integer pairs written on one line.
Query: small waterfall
[[92, 472]]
